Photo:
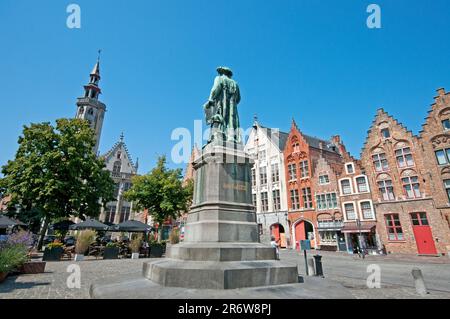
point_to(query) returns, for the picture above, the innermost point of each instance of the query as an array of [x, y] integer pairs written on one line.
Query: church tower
[[89, 107]]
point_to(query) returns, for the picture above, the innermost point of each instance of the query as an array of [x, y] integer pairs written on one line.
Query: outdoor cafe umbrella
[[6, 222], [89, 224], [131, 226], [62, 225]]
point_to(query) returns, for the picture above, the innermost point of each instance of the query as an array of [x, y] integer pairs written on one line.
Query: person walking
[[275, 245]]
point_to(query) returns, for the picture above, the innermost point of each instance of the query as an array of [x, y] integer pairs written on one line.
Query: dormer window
[[350, 168], [446, 124], [385, 133]]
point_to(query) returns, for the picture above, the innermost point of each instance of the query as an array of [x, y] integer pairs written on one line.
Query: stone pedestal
[[221, 248]]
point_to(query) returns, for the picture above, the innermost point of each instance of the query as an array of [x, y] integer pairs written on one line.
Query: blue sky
[[312, 60]]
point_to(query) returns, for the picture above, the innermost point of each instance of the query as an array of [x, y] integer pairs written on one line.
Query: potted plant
[[111, 251], [135, 246], [11, 258], [53, 251], [25, 239], [156, 249], [84, 239]]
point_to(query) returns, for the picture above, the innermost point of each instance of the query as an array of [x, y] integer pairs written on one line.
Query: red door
[[422, 234], [300, 233], [276, 232]]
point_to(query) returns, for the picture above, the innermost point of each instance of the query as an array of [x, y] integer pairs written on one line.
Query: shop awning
[[366, 227]]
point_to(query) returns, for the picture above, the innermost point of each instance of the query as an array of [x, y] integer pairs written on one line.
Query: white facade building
[[266, 147], [119, 163]]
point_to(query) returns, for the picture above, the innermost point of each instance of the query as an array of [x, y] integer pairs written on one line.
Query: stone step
[[220, 275], [220, 252]]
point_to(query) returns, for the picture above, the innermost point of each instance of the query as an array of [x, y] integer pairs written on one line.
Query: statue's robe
[[226, 96]]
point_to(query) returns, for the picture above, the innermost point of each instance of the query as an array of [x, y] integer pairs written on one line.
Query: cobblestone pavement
[[53, 283], [395, 270], [348, 270]]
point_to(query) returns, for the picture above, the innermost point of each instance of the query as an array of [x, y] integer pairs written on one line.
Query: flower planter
[[79, 257], [156, 251], [34, 267], [3, 276], [135, 256], [53, 254], [111, 253]]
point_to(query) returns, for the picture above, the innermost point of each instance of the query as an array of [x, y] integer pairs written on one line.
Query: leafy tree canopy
[[161, 192], [56, 173]]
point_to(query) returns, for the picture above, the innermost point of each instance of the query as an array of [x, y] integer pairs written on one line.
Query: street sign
[[305, 244]]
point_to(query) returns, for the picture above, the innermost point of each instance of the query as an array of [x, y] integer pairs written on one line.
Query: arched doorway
[[277, 231], [303, 230]]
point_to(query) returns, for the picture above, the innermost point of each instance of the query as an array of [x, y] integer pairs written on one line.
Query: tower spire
[[89, 107]]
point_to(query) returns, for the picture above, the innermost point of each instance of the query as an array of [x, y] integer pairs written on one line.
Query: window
[[333, 200], [366, 210], [411, 187], [350, 211], [304, 171], [307, 198], [254, 200], [292, 168], [385, 133], [295, 200], [386, 190], [326, 201], [404, 157], [110, 214], [296, 147], [380, 162], [116, 169], [447, 187], [263, 175], [446, 124], [361, 183], [321, 202], [253, 176], [419, 219], [394, 228], [350, 168], [276, 200], [262, 155], [91, 111], [346, 187], [324, 179], [125, 214], [264, 202], [275, 173], [443, 156]]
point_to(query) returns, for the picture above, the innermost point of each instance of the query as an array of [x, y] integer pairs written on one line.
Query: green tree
[[56, 173], [161, 192]]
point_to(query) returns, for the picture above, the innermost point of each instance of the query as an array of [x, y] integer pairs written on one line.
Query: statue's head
[[223, 70]]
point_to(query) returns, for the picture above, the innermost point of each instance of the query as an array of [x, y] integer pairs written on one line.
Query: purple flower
[[21, 238]]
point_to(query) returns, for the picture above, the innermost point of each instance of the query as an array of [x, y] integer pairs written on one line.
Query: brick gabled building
[[301, 154], [435, 140], [400, 183], [357, 208], [328, 209]]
